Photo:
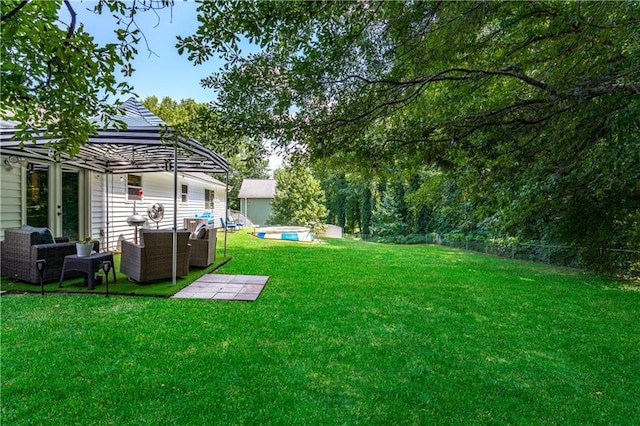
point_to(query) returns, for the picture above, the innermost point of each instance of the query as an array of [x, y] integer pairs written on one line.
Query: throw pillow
[[39, 235]]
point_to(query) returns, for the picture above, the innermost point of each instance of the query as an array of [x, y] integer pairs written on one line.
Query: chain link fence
[[620, 262]]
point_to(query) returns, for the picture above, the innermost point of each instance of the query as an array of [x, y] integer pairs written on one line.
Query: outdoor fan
[[155, 212]]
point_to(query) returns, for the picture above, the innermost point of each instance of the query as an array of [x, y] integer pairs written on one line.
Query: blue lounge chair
[[227, 225], [231, 221]]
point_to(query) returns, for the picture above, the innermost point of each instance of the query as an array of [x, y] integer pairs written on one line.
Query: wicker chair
[[203, 250], [152, 259], [22, 247]]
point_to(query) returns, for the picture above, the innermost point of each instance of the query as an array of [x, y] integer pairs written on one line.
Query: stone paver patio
[[224, 287]]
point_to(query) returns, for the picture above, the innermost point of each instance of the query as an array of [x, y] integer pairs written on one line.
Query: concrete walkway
[[224, 287]]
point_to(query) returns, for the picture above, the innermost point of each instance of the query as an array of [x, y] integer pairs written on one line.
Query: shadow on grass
[[123, 285]]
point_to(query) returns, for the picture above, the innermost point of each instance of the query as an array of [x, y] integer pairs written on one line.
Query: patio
[[200, 283], [225, 287], [146, 146]]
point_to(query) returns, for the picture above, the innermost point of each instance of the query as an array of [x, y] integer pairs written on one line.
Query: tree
[[420, 213], [365, 210], [530, 109], [335, 188], [299, 199], [54, 76], [172, 112], [346, 66]]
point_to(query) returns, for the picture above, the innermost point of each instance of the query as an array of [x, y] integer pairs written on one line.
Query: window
[[209, 196], [134, 187], [185, 193]]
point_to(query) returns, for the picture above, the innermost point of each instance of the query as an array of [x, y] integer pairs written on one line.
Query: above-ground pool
[[290, 233]]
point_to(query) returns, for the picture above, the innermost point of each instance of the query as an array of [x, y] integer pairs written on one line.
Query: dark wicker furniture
[[89, 265], [22, 247], [203, 250], [152, 259]]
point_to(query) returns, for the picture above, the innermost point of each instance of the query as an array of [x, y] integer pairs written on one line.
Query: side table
[[87, 264]]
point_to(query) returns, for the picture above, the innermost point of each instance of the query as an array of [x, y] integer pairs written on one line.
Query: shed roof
[[257, 188], [147, 145]]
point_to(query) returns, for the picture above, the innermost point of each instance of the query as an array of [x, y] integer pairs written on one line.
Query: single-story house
[[116, 173], [255, 199]]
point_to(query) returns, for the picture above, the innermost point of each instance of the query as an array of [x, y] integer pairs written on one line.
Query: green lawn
[[345, 332]]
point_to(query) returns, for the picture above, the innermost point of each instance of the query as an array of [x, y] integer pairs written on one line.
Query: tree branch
[[72, 25], [15, 10], [449, 74]]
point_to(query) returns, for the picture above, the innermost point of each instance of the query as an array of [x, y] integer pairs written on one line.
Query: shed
[[255, 199]]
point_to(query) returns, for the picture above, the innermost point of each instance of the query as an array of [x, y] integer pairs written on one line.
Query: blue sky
[[164, 73]]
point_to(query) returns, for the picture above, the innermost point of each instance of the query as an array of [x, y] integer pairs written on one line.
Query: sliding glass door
[[54, 196], [70, 203], [38, 195]]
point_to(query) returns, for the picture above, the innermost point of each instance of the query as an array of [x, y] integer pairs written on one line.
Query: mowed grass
[[345, 332]]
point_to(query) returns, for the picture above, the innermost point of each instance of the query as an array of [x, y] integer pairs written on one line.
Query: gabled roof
[[145, 146], [137, 115], [257, 188]]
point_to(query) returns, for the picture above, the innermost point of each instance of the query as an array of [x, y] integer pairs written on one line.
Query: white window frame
[[184, 193], [209, 199], [129, 187]]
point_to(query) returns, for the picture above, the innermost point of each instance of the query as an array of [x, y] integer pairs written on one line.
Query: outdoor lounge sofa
[[23, 246], [152, 259], [203, 246]]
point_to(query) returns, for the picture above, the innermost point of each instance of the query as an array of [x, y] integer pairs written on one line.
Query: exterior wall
[[106, 194], [256, 209], [97, 211], [11, 197], [157, 188]]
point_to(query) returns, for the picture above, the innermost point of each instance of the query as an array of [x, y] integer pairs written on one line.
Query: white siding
[[158, 188], [97, 212], [10, 197], [106, 193]]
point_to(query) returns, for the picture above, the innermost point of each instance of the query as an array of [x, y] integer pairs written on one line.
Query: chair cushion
[[39, 235], [202, 233]]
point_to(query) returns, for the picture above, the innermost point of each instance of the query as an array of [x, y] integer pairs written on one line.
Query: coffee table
[[87, 264]]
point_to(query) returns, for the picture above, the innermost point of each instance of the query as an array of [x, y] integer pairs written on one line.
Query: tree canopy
[[55, 77], [423, 73], [530, 110]]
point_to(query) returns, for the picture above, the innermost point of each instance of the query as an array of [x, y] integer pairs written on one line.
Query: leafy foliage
[[55, 77], [299, 199], [521, 116], [366, 209]]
